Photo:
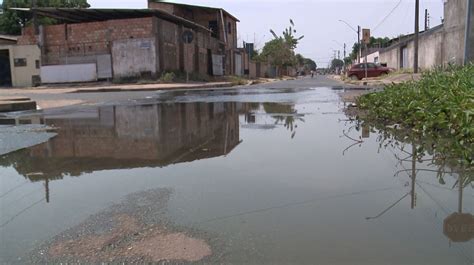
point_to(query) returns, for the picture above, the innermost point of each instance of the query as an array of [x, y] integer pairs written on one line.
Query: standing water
[[243, 177]]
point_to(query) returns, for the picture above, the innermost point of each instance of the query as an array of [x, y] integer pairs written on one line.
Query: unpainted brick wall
[[88, 38]]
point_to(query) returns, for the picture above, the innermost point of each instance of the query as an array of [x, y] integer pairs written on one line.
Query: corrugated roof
[[197, 6], [79, 15], [9, 37]]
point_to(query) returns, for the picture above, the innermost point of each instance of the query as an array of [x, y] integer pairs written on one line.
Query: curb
[[10, 106], [116, 89]]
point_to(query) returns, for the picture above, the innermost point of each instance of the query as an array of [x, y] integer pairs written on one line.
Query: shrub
[[167, 77], [439, 107]]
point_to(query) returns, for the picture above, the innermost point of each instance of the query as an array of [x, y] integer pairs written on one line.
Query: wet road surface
[[268, 175]]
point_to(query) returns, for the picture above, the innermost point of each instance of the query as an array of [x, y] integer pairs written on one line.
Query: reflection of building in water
[[115, 137]]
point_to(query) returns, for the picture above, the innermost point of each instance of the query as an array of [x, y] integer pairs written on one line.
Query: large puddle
[[275, 177]]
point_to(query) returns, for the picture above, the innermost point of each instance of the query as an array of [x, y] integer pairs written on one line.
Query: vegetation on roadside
[[280, 52], [238, 81], [435, 114], [11, 21], [167, 77]]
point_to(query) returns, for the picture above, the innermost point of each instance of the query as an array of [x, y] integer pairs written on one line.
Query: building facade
[[19, 64], [437, 46], [222, 24], [98, 44]]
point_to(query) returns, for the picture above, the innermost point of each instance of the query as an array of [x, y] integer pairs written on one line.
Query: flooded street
[[251, 176]]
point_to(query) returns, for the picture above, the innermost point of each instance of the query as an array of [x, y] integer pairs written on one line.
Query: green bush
[[238, 81], [167, 77], [439, 107]]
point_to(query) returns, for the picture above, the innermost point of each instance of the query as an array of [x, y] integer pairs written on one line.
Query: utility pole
[[468, 52], [413, 176], [417, 30], [344, 59], [358, 42], [426, 19], [34, 5]]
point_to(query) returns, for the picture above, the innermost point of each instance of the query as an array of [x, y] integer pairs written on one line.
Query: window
[[19, 62], [229, 28], [37, 63], [214, 27], [371, 65]]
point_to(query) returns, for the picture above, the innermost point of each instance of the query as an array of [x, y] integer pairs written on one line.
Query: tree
[[310, 64], [11, 21], [288, 36], [336, 63], [280, 51], [299, 60], [278, 54], [374, 43]]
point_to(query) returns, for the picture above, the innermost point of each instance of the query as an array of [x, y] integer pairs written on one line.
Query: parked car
[[357, 71]]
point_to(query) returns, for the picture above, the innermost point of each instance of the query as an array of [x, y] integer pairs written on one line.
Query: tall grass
[[439, 107]]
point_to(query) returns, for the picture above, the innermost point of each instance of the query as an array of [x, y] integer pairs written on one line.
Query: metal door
[[404, 63]]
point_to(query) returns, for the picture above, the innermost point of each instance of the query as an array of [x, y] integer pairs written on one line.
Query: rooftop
[[9, 37], [195, 6], [81, 15]]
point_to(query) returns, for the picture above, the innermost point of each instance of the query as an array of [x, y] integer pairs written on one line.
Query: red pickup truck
[[357, 71]]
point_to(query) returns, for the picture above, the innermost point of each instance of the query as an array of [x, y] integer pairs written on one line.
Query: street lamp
[[358, 38]]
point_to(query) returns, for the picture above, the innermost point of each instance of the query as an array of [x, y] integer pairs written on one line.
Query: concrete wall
[[134, 57], [454, 26], [22, 76], [371, 57], [431, 51], [470, 54], [438, 46], [391, 57], [68, 73]]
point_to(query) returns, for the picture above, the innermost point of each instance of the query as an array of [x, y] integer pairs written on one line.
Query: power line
[[20, 213], [387, 16]]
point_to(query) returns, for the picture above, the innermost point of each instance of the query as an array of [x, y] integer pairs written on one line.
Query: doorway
[[404, 58], [5, 70]]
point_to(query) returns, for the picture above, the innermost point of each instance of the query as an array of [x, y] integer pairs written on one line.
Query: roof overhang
[[199, 7], [83, 15], [8, 37]]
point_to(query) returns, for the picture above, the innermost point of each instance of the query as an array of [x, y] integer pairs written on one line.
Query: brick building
[[19, 64], [222, 24], [94, 44]]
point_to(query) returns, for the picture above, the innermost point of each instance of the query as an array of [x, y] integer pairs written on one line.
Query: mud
[[135, 230]]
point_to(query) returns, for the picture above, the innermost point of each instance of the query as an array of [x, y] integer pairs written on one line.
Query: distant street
[[51, 98]]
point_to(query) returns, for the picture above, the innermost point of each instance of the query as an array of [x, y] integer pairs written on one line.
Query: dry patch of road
[[134, 231]]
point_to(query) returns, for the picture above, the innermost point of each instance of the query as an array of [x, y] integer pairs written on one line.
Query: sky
[[317, 20]]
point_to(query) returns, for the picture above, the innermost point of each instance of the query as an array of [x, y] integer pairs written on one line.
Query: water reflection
[[123, 137], [458, 227], [133, 136]]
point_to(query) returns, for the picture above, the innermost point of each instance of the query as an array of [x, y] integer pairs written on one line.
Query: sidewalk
[[94, 88], [380, 81], [40, 98]]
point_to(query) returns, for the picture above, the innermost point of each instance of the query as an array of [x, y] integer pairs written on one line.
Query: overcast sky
[[316, 19]]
